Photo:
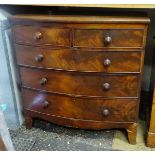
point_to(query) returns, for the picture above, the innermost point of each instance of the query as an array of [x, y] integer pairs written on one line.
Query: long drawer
[[79, 60], [81, 84], [118, 110]]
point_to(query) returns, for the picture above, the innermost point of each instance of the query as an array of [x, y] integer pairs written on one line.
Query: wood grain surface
[[79, 60], [120, 110], [81, 84]]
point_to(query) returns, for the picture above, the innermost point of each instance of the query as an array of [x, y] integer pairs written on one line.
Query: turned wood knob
[[106, 86], [45, 104], [39, 57], [37, 35], [107, 62], [107, 39], [43, 81], [105, 112]]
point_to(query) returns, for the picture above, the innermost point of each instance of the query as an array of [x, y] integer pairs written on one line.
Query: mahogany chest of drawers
[[81, 71]]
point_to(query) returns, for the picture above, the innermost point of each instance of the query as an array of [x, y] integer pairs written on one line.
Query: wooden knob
[[43, 81], [107, 62], [39, 57], [45, 104], [106, 86], [37, 35], [107, 39], [106, 112]]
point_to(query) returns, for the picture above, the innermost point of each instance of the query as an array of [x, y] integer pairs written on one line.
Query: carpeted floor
[[50, 137]]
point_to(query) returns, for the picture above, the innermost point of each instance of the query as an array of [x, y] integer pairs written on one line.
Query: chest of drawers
[[81, 71]]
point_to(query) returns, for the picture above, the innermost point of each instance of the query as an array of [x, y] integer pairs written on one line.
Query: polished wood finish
[[132, 131], [30, 18], [89, 36], [77, 84], [78, 123], [79, 60], [48, 35], [81, 71], [119, 38], [120, 110], [151, 128]]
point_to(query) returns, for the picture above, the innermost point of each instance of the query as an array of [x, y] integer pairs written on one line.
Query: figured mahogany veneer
[[79, 71], [120, 38], [79, 60], [120, 110], [81, 84], [42, 35]]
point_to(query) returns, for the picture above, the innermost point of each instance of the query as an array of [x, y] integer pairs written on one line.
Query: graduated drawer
[[117, 110], [34, 35], [109, 38], [81, 84], [79, 60]]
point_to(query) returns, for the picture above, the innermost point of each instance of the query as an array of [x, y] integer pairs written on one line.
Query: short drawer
[[81, 84], [116, 110], [34, 35], [79, 60], [108, 38]]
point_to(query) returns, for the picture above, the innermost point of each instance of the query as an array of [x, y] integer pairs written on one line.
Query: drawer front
[[81, 84], [109, 38], [42, 35], [79, 60], [118, 110]]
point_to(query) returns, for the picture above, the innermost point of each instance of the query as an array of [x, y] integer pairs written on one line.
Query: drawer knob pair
[[105, 112], [106, 86], [107, 62], [45, 104], [43, 81], [37, 36], [39, 57]]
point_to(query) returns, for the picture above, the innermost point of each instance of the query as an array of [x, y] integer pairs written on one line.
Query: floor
[[120, 141], [50, 137]]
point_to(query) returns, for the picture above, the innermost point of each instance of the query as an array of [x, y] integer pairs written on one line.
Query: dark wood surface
[[81, 84], [120, 38], [78, 19], [84, 36], [81, 71], [120, 110], [79, 60], [54, 36]]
